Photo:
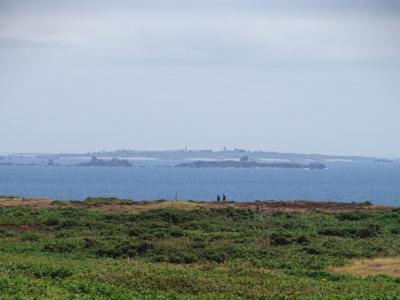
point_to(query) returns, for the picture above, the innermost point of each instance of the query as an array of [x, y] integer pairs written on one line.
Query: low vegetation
[[375, 266], [78, 251]]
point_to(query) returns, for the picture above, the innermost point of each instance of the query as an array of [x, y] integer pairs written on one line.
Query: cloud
[[13, 44], [262, 73], [96, 6], [144, 34]]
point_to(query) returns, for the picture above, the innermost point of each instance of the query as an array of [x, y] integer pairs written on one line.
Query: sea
[[346, 181]]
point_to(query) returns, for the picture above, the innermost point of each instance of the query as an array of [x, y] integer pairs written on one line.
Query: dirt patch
[[376, 266], [24, 202]]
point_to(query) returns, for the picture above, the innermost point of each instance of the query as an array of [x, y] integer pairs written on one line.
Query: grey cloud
[[38, 6], [15, 44], [241, 31], [217, 38]]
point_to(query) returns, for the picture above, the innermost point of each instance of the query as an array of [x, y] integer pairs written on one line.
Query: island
[[251, 164], [114, 162]]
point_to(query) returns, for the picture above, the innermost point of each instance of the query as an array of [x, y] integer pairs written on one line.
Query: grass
[[66, 251], [376, 266], [12, 201]]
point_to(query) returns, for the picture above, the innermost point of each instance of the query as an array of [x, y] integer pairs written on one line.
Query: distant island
[[245, 163], [204, 154], [114, 162], [224, 154]]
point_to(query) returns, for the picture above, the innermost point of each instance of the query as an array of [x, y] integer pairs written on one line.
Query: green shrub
[[280, 239], [352, 216], [52, 221], [101, 200], [61, 246]]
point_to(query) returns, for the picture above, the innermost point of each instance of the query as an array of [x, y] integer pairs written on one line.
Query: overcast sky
[[308, 76]]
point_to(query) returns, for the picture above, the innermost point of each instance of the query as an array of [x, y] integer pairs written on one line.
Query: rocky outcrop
[[114, 162]]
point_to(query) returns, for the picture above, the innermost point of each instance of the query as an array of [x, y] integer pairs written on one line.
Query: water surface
[[356, 181]]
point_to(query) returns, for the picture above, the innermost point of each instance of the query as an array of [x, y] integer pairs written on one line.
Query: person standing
[[223, 197], [218, 198]]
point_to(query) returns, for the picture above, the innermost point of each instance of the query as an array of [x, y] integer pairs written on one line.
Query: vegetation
[[80, 252]]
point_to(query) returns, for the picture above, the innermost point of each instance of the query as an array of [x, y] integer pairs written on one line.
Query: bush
[[52, 221], [103, 200], [217, 256], [279, 240], [30, 237], [68, 223], [352, 216], [312, 250], [371, 230], [61, 246], [51, 271]]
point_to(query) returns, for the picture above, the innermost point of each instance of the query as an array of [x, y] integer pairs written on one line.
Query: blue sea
[[341, 181]]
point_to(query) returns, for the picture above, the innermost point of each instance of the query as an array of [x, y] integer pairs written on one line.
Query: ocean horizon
[[341, 181]]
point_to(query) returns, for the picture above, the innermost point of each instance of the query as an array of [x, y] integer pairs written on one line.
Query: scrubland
[[116, 249]]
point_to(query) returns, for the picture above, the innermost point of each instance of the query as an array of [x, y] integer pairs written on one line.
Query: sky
[[307, 76]]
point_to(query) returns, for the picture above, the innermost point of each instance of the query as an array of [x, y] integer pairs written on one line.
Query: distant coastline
[[184, 158], [205, 154], [251, 164]]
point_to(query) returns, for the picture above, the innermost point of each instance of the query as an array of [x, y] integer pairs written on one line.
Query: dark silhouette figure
[[223, 197], [218, 198]]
